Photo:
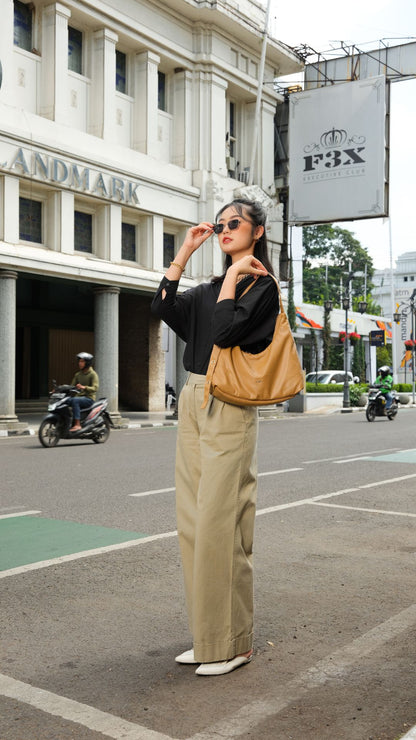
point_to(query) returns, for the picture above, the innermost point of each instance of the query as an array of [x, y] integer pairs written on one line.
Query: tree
[[358, 360], [328, 252], [383, 355]]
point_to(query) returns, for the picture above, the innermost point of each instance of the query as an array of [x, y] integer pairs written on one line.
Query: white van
[[330, 376]]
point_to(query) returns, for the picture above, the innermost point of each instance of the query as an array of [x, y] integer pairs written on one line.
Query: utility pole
[[259, 95]]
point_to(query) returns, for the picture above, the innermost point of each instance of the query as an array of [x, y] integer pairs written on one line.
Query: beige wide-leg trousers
[[216, 488]]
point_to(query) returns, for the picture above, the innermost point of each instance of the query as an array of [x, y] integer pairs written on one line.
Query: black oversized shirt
[[197, 318]]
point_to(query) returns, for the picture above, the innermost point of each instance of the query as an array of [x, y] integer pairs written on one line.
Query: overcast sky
[[322, 26]]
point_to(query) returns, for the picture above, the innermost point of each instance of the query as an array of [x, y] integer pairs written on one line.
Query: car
[[330, 376]]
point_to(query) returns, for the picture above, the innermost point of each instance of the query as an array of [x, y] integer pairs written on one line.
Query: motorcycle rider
[[385, 382], [86, 380]]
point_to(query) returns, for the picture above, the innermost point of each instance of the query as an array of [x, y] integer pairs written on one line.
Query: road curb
[[173, 422]]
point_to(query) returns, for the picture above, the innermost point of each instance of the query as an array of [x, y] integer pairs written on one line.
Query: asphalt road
[[92, 607]]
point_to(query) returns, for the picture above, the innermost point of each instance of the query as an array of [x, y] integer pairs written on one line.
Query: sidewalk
[[129, 420], [141, 419]]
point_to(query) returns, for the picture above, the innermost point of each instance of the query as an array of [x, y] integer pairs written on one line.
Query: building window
[[83, 232], [75, 50], [168, 249], [161, 99], [121, 67], [23, 21], [30, 220], [128, 242], [231, 139], [405, 279]]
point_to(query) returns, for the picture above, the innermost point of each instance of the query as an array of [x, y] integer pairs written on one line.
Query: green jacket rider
[[385, 382]]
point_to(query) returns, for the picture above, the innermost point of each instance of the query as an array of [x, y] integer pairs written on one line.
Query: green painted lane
[[403, 456], [25, 540]]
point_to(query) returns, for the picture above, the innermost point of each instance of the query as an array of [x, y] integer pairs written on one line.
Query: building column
[[265, 163], [103, 88], [182, 144], [55, 62], [7, 56], [210, 127], [106, 345], [8, 418], [157, 376], [9, 208], [145, 128]]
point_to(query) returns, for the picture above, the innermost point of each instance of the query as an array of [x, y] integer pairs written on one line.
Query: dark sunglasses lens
[[232, 225]]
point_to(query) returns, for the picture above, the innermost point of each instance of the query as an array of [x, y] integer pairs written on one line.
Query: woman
[[216, 465]]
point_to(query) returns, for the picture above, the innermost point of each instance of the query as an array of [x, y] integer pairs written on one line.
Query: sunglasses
[[232, 225]]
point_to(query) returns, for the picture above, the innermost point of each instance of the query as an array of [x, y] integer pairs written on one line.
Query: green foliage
[[336, 356], [358, 360], [328, 250], [356, 391], [324, 387], [372, 306], [383, 355]]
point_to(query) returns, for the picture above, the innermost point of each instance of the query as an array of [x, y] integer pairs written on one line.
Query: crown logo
[[334, 137]]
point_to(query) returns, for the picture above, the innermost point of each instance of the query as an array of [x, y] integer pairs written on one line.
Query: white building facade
[[404, 287], [121, 124]]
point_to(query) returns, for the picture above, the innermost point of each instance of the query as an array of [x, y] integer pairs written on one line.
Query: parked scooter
[[377, 404], [95, 420]]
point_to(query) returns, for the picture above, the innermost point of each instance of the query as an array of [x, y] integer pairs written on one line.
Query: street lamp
[[326, 333], [346, 405], [409, 308]]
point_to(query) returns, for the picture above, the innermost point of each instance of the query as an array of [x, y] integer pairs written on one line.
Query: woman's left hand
[[248, 265]]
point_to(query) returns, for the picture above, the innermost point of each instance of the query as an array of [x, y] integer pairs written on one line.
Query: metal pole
[[393, 325], [346, 406], [412, 304], [346, 399], [259, 94]]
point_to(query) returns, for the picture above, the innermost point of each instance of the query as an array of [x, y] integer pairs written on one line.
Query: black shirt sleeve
[[174, 310], [197, 318], [247, 321]]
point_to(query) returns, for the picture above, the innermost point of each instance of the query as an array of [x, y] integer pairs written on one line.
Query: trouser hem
[[222, 650]]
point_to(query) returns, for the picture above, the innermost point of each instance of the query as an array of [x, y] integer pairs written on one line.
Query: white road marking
[[19, 513], [359, 508], [166, 535], [151, 493], [276, 472], [367, 456], [350, 460], [388, 480], [86, 554], [312, 500], [411, 735], [341, 457], [73, 711], [303, 501], [247, 718], [334, 666], [168, 490]]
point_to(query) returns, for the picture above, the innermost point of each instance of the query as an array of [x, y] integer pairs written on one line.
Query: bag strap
[[215, 353]]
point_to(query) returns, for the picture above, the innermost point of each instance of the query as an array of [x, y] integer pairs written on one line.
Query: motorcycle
[[377, 404], [95, 420]]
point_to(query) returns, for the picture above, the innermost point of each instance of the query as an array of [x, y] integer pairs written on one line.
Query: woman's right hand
[[197, 235]]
